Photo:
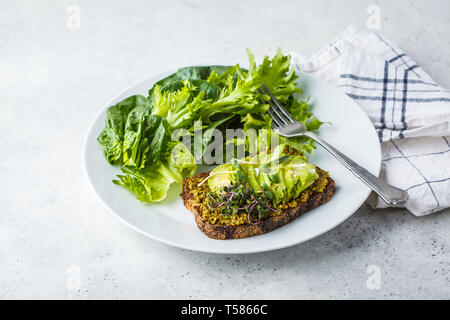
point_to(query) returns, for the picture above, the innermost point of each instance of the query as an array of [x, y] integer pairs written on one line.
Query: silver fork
[[287, 126]]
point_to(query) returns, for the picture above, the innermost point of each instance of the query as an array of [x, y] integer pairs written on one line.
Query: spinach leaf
[[211, 91], [146, 136], [197, 74], [112, 136], [193, 73]]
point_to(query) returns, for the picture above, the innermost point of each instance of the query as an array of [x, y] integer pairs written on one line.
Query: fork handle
[[388, 193]]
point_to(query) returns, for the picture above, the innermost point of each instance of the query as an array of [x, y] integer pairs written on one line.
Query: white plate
[[171, 223]]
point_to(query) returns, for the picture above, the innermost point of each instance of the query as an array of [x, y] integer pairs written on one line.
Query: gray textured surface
[[54, 80]]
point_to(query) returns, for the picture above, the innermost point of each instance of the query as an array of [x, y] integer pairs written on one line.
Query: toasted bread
[[309, 199]]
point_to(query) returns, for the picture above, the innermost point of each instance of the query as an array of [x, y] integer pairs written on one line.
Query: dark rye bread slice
[[224, 232]]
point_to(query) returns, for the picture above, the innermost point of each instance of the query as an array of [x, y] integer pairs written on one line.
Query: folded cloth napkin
[[410, 112]]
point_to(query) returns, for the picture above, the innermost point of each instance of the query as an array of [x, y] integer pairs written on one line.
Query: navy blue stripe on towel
[[369, 79], [359, 97], [383, 100]]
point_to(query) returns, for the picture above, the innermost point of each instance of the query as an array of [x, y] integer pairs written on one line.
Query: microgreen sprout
[[240, 198]]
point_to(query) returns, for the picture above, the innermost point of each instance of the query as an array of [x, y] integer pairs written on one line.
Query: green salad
[[142, 134]]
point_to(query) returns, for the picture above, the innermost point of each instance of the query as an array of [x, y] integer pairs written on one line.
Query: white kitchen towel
[[410, 112]]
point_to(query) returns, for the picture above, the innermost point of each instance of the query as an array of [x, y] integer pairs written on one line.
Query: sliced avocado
[[285, 179], [222, 176], [253, 178], [299, 175], [273, 178]]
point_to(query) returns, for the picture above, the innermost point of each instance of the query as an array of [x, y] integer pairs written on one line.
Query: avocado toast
[[255, 195]]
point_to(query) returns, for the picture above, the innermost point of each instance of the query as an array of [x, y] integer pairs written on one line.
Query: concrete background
[[53, 82]]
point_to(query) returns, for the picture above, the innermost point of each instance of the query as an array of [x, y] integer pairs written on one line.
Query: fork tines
[[277, 112]]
